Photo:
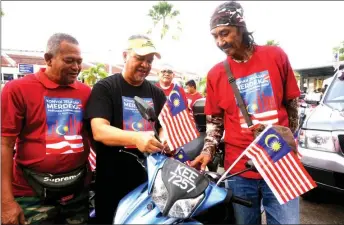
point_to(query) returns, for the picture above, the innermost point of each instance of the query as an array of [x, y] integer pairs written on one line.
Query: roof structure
[[316, 71]]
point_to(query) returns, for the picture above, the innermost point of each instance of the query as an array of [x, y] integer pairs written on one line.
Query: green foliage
[[272, 43], [201, 87], [91, 75], [164, 15]]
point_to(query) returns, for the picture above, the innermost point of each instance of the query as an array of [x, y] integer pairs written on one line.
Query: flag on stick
[[177, 121], [277, 163]]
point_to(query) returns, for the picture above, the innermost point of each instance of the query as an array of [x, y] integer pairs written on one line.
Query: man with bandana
[[269, 90]]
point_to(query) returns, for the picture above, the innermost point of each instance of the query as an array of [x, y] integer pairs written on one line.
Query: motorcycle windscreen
[[178, 189]]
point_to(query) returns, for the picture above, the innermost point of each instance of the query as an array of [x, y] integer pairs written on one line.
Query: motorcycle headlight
[[181, 209], [317, 140]]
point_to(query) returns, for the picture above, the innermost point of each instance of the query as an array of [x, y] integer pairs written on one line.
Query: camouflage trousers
[[37, 213]]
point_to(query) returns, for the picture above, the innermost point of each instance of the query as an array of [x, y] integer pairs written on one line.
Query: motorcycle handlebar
[[241, 201], [235, 199]]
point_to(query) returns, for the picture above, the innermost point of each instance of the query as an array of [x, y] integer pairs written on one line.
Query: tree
[[272, 43], [202, 85], [339, 49], [91, 75], [164, 16]]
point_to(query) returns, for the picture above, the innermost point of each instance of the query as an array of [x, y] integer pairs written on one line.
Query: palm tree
[[272, 43], [93, 74], [163, 13]]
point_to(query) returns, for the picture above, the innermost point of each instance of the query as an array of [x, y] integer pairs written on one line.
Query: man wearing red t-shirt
[[192, 94], [165, 83], [42, 116], [269, 89]]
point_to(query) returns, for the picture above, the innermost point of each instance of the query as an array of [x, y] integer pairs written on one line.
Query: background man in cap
[[120, 133], [268, 87]]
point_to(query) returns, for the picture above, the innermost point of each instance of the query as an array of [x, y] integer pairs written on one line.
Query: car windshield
[[335, 94]]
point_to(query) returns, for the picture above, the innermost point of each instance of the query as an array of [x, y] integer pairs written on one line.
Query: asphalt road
[[323, 208]]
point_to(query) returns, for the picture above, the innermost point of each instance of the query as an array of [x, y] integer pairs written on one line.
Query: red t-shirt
[[168, 90], [265, 81], [192, 98], [47, 119]]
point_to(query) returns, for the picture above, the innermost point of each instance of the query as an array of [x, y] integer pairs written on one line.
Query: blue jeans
[[259, 193]]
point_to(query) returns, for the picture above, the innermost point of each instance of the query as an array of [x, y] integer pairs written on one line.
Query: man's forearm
[[213, 134], [7, 146], [293, 115], [114, 136]]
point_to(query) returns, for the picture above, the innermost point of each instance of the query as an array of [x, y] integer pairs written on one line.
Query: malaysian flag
[[92, 159], [182, 156], [67, 145], [177, 121], [280, 167]]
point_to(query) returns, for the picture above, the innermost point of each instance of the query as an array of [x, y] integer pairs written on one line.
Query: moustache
[[226, 46]]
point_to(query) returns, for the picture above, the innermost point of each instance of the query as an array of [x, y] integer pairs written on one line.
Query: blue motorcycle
[[176, 193]]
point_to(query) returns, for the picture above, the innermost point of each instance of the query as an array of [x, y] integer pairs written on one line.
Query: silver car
[[321, 138]]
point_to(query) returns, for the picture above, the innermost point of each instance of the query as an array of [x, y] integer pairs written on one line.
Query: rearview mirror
[[146, 111]]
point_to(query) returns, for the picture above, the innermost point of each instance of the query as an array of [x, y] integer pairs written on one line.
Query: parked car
[[321, 138]]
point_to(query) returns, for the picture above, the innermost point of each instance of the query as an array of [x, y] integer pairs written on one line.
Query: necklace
[[250, 53], [239, 61]]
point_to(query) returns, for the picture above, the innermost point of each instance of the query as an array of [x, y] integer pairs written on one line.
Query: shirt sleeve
[[12, 110], [99, 104], [211, 106], [291, 89], [161, 99]]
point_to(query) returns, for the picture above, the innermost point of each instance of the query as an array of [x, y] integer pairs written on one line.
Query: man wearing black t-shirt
[[120, 133]]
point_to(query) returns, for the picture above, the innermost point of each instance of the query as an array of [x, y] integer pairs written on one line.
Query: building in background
[[312, 78], [16, 63]]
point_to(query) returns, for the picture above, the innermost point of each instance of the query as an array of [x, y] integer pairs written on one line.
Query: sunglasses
[[167, 71]]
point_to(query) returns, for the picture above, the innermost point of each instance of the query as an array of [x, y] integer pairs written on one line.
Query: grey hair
[[54, 42]]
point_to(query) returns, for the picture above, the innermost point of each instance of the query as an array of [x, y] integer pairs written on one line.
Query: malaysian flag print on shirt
[[258, 96], [63, 125]]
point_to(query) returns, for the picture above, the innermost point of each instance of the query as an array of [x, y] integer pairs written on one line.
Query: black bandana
[[228, 14]]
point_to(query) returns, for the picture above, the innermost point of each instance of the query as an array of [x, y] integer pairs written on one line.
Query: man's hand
[[11, 213], [258, 128], [201, 161], [166, 150], [147, 143]]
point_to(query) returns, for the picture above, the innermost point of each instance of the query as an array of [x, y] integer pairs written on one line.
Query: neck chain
[[250, 53]]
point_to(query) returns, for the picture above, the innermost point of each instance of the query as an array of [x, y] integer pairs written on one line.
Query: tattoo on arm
[[293, 116], [214, 132]]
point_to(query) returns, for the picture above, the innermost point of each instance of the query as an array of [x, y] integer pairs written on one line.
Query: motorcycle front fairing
[[137, 207], [169, 196]]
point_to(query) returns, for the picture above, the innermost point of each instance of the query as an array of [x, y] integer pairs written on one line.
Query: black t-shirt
[[112, 99]]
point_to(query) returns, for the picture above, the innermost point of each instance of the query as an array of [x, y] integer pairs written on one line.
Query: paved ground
[[323, 208]]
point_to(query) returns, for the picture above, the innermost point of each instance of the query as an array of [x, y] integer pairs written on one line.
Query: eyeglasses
[[167, 71]]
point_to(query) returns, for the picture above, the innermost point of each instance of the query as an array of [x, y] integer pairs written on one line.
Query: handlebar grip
[[241, 201]]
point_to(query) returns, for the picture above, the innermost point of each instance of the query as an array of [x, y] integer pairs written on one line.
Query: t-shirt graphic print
[[258, 96], [132, 119], [63, 126]]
